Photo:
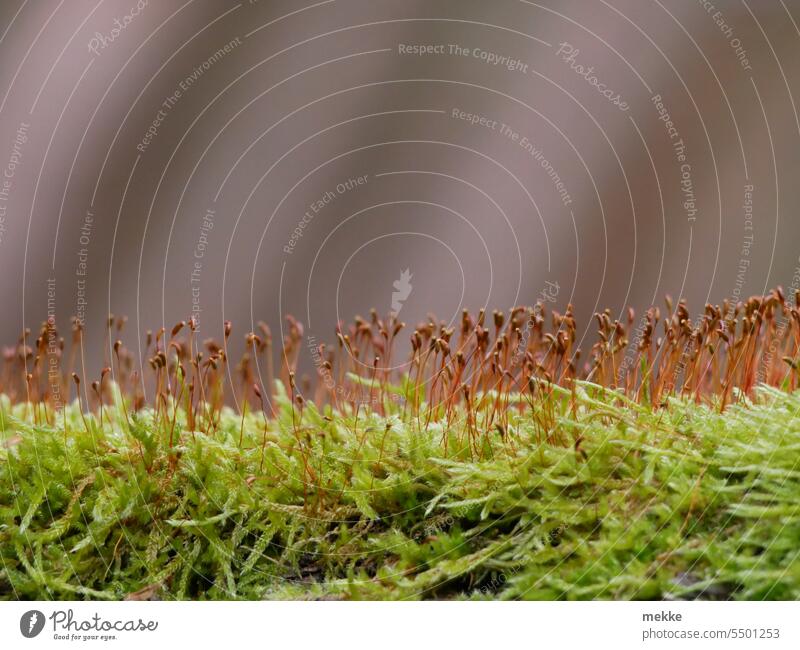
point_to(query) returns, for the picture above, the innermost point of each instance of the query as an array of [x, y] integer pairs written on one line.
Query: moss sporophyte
[[498, 461]]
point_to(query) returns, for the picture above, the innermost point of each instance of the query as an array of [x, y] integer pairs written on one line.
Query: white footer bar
[[399, 625]]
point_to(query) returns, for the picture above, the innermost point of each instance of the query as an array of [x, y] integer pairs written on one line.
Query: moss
[[677, 502]]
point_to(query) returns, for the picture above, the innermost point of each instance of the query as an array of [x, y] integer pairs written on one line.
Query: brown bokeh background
[[310, 95]]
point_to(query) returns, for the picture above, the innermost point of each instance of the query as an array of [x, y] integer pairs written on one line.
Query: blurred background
[[250, 160]]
